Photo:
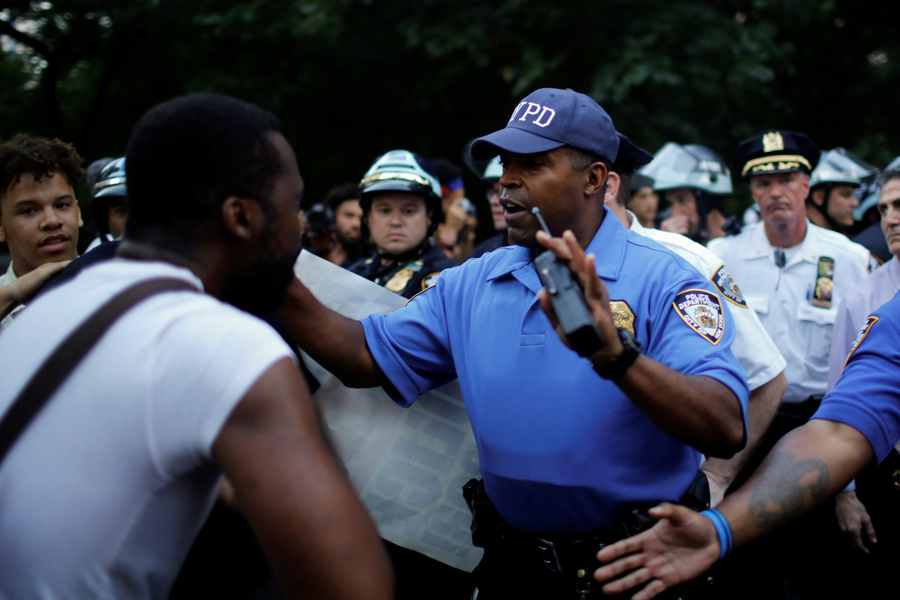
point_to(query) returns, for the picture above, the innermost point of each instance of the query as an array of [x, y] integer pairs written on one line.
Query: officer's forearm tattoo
[[787, 486]]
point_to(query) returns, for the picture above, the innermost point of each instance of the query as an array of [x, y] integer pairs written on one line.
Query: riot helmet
[[872, 192], [698, 169], [691, 166], [402, 171], [108, 188]]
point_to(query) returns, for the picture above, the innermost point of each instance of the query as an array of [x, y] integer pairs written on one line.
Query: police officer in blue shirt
[[855, 427], [569, 446]]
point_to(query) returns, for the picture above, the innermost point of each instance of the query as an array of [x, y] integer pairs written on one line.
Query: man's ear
[[243, 218], [818, 197], [613, 181], [80, 221], [597, 175]]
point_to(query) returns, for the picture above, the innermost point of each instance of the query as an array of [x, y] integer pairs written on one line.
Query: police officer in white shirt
[[752, 346], [793, 274]]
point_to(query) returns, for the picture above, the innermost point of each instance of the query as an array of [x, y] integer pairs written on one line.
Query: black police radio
[[568, 301]]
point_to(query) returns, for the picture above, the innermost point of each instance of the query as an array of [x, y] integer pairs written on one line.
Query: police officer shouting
[[401, 202], [568, 446]]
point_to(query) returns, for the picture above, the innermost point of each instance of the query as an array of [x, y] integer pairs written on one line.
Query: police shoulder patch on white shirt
[[725, 284], [702, 311]]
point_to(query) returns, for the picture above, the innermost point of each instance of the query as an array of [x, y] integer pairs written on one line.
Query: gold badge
[[772, 142], [824, 283], [399, 281], [622, 315]]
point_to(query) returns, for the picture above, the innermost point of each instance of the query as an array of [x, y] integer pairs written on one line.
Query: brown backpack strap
[[69, 354]]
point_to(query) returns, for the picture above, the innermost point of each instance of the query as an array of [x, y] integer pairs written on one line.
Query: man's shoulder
[[436, 260], [730, 243], [837, 242], [652, 256], [703, 259]]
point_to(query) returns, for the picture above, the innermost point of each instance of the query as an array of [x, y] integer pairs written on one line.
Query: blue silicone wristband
[[723, 530]]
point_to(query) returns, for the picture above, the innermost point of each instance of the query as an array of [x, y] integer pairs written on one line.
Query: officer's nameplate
[[725, 284], [622, 315], [703, 312]]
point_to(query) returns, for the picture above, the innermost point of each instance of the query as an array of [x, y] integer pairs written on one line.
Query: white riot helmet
[[494, 170], [691, 166], [840, 167]]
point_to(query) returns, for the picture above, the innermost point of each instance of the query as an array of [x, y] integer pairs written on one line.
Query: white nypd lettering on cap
[[702, 311], [543, 115]]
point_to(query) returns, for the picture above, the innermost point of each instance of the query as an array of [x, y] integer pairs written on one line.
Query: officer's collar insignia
[[861, 336], [824, 283], [703, 312], [772, 142], [622, 315], [400, 280], [725, 284], [429, 280]]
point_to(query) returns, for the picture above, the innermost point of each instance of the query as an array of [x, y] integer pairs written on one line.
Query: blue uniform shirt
[[561, 450], [867, 396]]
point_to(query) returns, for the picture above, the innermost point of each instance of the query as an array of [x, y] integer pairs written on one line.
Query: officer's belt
[[572, 555]]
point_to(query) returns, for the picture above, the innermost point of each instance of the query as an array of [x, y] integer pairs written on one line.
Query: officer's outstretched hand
[[595, 294], [680, 547]]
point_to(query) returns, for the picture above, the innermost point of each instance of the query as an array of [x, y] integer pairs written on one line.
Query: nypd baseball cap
[[550, 118]]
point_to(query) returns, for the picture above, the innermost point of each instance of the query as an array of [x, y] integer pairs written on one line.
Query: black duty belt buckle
[[549, 555]]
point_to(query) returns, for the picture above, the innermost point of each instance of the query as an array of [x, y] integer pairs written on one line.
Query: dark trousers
[[516, 571], [417, 577], [806, 559]]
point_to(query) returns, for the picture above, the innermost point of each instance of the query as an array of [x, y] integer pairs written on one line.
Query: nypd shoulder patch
[[702, 311], [874, 263], [863, 332], [429, 280], [725, 284]]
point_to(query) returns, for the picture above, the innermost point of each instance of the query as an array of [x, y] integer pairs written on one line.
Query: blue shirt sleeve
[[412, 347], [867, 396], [673, 343]]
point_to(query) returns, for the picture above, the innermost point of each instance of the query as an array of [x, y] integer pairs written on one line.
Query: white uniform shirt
[[6, 279], [782, 297], [752, 346], [860, 302], [103, 493]]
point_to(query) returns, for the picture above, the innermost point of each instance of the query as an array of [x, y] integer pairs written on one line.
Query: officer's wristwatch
[[631, 349]]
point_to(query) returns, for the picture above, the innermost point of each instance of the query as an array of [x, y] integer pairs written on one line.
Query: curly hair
[[40, 157]]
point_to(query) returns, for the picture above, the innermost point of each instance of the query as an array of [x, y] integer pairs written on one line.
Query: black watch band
[[631, 349]]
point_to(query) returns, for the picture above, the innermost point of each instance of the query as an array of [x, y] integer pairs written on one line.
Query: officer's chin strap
[[409, 254], [823, 210]]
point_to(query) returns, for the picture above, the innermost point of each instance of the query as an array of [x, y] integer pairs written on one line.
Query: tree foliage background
[[350, 79]]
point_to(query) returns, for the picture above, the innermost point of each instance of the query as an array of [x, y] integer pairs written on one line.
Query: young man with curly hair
[[39, 215]]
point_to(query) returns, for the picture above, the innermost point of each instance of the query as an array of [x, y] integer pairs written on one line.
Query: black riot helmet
[[109, 186], [402, 171]]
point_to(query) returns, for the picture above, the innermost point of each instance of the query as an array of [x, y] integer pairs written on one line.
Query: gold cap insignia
[[772, 142]]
